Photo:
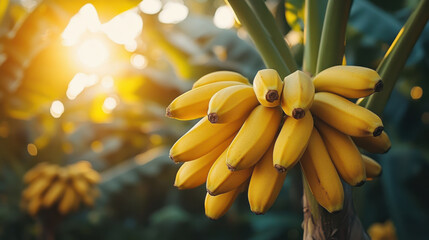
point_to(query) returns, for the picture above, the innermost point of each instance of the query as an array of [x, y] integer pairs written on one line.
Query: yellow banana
[[80, 185], [220, 76], [195, 103], [194, 173], [231, 103], [34, 205], [201, 139], [54, 192], [344, 154], [268, 87], [348, 81], [37, 187], [67, 202], [221, 180], [298, 94], [265, 184], [34, 173], [379, 144], [346, 116], [217, 206], [373, 169], [91, 176], [254, 138], [323, 179], [292, 142]]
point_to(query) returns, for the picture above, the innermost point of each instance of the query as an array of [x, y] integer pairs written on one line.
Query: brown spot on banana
[[272, 95]]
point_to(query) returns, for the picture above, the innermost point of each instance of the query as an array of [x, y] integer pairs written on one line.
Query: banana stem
[[312, 30], [396, 57], [268, 21], [332, 42], [260, 36]]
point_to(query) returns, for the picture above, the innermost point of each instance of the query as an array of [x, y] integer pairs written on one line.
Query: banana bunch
[[248, 136], [60, 188]]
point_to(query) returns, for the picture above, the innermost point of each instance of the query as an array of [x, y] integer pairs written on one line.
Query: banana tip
[[168, 112], [259, 213], [272, 95], [280, 168], [298, 113], [387, 149], [378, 131], [213, 117], [379, 86], [210, 192], [231, 168], [360, 183]]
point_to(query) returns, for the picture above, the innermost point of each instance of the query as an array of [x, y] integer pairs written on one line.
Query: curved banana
[[298, 94], [221, 180], [194, 103], [379, 144], [37, 187], [231, 103], [68, 200], [54, 192], [254, 138], [34, 173], [201, 139], [292, 142], [321, 175], [268, 87], [220, 76], [34, 205], [348, 81], [373, 169], [344, 154], [91, 176], [216, 206], [346, 116], [80, 185], [194, 173], [265, 184]]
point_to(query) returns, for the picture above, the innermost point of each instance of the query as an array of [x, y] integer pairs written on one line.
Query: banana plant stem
[[268, 21], [332, 43], [260, 37], [396, 57]]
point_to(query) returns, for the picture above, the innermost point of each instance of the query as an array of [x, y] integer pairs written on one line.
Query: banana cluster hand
[[245, 141], [61, 188]]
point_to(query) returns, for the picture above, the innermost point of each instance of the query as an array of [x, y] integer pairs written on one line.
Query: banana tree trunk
[[329, 226]]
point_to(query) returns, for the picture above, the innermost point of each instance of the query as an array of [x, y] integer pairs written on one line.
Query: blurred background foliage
[[90, 80]]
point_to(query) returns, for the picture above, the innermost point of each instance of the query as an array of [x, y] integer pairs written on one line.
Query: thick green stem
[[332, 42], [396, 57], [312, 30], [260, 36], [269, 23]]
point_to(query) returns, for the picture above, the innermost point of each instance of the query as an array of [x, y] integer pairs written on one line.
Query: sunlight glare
[[173, 12], [57, 109], [85, 19], [131, 46], [123, 28], [107, 82], [79, 82], [92, 53], [109, 104], [224, 17], [139, 61], [150, 6]]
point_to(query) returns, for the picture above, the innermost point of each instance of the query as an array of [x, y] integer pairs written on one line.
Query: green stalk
[[396, 57], [268, 21], [312, 31], [260, 37], [332, 42]]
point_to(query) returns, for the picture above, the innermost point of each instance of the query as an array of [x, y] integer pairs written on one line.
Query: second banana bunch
[[250, 136]]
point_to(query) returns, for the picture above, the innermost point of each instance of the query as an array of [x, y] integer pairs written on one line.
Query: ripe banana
[[298, 94], [254, 138], [265, 184], [194, 173], [292, 142], [91, 176], [37, 187], [68, 201], [34, 205], [231, 103], [344, 154], [201, 139], [346, 116], [217, 206], [221, 180], [80, 185], [34, 173], [220, 76], [194, 104], [323, 179], [54, 192], [373, 168], [348, 81], [379, 144], [268, 87]]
